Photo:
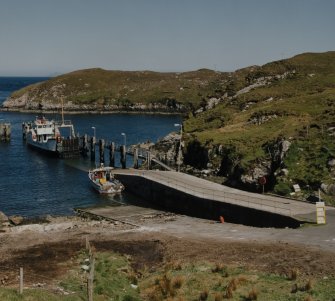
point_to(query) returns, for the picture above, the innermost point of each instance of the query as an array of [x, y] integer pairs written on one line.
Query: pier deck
[[204, 189], [127, 214]]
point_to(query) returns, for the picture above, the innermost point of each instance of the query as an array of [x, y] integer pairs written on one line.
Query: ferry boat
[[103, 180], [53, 137]]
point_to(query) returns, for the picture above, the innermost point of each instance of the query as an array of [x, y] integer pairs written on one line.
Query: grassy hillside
[[296, 103], [126, 88]]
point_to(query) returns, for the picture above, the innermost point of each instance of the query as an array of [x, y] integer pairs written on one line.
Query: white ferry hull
[[49, 146]]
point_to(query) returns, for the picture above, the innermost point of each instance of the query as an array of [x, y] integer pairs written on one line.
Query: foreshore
[[175, 237]]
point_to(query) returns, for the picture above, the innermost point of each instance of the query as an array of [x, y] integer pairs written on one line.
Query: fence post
[[90, 280], [21, 281]]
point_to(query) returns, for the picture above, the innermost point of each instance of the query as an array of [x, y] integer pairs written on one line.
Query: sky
[[51, 37]]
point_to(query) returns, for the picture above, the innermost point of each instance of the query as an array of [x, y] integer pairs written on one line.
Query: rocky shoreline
[[92, 112]]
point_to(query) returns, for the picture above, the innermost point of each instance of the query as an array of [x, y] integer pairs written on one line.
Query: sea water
[[34, 184]]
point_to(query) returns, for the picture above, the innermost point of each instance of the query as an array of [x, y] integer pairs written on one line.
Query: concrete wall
[[174, 200]]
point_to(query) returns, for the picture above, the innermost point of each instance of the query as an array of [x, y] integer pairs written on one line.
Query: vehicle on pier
[[53, 137], [102, 179]]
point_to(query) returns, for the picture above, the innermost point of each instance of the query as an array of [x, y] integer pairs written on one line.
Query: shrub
[[253, 294], [309, 285], [228, 292], [293, 274], [282, 188], [220, 268], [203, 295], [177, 282]]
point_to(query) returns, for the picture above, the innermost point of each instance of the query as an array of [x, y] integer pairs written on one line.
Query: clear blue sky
[[46, 37]]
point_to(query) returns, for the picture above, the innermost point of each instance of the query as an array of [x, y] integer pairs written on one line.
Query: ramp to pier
[[188, 194]]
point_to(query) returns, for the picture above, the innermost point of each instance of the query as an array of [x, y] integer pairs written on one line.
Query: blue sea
[[33, 184]]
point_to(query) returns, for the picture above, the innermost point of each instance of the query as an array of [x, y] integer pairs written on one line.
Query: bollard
[[136, 158], [112, 154], [123, 155], [102, 151]]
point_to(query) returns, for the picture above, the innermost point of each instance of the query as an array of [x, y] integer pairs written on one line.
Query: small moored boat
[[103, 180]]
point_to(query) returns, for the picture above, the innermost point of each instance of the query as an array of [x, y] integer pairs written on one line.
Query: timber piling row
[[5, 131], [89, 146]]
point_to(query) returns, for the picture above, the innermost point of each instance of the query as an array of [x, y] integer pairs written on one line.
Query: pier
[[103, 151], [186, 194]]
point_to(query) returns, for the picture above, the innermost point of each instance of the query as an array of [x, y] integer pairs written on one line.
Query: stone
[[85, 267], [16, 219], [284, 147], [328, 188], [331, 162], [284, 172], [3, 218]]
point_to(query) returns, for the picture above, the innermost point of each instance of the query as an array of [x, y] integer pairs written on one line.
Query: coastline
[[95, 112]]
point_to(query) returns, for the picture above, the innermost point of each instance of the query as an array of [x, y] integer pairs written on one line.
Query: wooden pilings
[[92, 149], [90, 144], [148, 160], [84, 145], [136, 165], [123, 156], [112, 154], [102, 151], [5, 131]]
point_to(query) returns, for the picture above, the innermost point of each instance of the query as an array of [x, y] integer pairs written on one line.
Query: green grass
[[301, 108], [199, 277], [187, 281], [112, 281], [103, 87]]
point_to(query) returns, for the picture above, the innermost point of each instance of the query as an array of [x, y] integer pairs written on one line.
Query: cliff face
[[275, 121]]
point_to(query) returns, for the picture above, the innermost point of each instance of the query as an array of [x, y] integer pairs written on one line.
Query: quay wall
[[171, 199]]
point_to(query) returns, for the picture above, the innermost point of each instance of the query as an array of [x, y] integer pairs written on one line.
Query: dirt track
[[46, 251]]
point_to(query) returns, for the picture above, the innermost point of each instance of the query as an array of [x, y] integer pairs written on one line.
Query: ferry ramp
[[191, 195]]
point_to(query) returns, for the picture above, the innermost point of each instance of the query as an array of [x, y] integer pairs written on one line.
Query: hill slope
[[98, 89], [275, 121], [279, 122]]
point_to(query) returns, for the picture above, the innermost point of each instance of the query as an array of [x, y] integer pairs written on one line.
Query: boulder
[[253, 176], [3, 218], [331, 163], [284, 172], [16, 219], [328, 188], [284, 147]]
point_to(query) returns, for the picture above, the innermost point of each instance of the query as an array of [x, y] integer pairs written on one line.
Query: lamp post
[[179, 150], [93, 127], [125, 138]]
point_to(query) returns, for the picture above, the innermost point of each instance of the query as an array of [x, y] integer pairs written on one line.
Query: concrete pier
[[186, 194]]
